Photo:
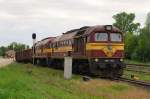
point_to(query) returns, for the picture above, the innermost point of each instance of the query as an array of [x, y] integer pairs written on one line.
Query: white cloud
[[20, 18]]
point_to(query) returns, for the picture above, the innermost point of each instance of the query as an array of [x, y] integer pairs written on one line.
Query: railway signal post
[[67, 67], [34, 40]]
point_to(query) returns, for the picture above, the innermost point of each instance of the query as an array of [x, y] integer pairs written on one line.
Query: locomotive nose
[[109, 47], [109, 50]]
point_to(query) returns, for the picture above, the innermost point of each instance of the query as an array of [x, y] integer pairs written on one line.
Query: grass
[[25, 81], [141, 76], [136, 62]]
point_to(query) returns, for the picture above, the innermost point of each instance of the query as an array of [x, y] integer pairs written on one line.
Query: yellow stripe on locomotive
[[108, 48], [63, 49]]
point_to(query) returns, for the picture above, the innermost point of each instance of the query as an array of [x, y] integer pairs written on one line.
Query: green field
[[136, 62], [25, 81]]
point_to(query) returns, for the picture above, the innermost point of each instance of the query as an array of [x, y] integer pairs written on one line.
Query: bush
[[142, 51], [130, 44]]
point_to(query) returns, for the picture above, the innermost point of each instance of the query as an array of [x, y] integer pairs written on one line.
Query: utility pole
[[33, 48]]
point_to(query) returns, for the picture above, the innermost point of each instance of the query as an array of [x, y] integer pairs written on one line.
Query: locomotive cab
[[105, 48]]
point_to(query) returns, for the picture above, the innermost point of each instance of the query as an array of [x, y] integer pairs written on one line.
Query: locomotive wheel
[[75, 69], [80, 67], [49, 62], [116, 73], [57, 63], [120, 72], [83, 69], [94, 70], [37, 62]]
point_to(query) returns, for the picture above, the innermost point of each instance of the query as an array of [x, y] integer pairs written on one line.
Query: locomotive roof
[[67, 36], [75, 30], [75, 33], [71, 34], [47, 40], [56, 39], [38, 43], [100, 28], [44, 41]]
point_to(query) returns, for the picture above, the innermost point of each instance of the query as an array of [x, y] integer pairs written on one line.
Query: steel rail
[[137, 82], [138, 71], [144, 65], [138, 68]]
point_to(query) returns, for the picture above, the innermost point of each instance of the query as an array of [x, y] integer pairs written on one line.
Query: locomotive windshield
[[101, 37], [115, 37]]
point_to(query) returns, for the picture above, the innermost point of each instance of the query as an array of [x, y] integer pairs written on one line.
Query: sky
[[20, 18]]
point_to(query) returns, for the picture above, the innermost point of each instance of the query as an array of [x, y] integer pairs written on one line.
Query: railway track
[[145, 65], [138, 68], [136, 82]]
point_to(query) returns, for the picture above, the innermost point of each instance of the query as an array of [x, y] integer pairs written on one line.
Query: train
[[95, 50]]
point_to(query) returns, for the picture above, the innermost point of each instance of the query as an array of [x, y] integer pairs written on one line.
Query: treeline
[[137, 44], [13, 46]]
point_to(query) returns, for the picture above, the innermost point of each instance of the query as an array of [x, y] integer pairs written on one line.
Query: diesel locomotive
[[96, 50]]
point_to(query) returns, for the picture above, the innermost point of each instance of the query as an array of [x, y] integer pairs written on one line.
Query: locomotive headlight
[[111, 60], [121, 59], [108, 27], [96, 59], [106, 60]]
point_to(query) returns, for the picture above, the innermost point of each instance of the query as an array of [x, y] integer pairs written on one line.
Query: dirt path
[[4, 62]]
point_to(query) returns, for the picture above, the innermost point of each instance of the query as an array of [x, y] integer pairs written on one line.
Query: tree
[[125, 22], [142, 51], [147, 23], [131, 42], [17, 46], [13, 46], [2, 50]]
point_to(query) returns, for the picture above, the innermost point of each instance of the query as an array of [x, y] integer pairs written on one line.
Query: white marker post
[[34, 40], [68, 67], [14, 51]]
